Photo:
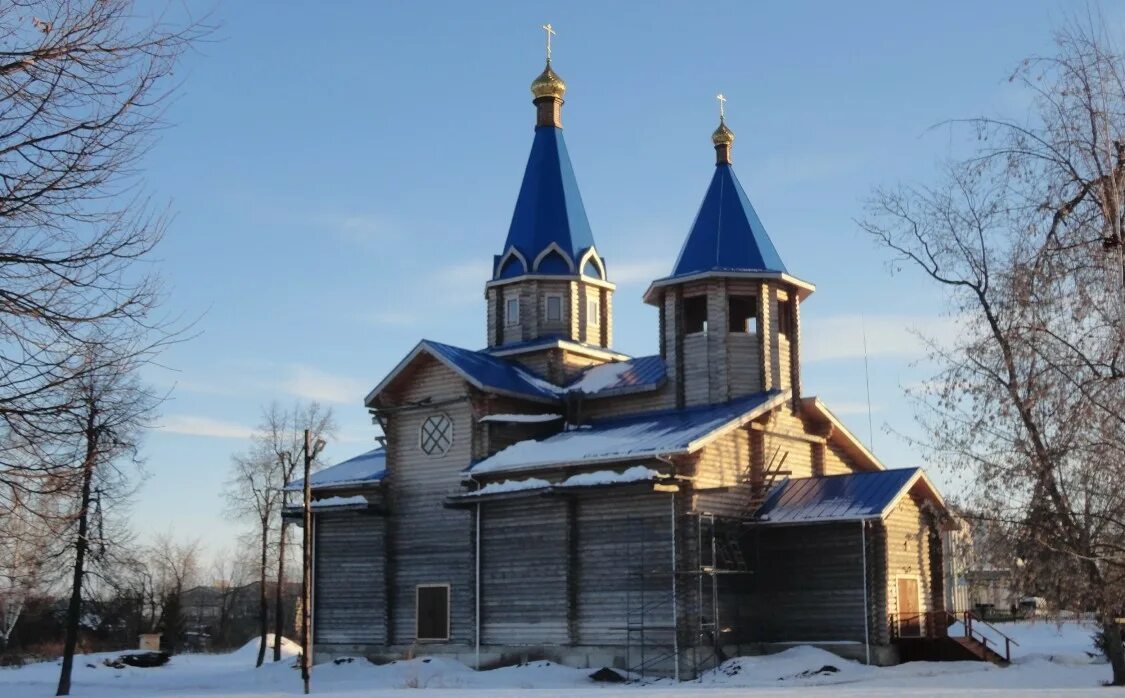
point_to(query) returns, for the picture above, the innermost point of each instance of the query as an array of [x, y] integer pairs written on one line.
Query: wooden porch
[[941, 636]]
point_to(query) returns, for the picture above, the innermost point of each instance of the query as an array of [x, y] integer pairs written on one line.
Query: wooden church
[[549, 497]]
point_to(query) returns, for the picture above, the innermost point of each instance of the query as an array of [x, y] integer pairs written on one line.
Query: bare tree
[[229, 575], [174, 566], [81, 87], [257, 493], [252, 494], [1025, 236], [109, 412], [24, 565], [282, 432]]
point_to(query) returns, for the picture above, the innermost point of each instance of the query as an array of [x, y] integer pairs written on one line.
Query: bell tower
[[730, 311], [549, 282]]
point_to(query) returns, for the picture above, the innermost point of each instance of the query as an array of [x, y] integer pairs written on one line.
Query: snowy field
[[1052, 661]]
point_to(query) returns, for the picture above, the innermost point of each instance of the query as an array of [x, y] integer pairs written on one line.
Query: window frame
[[593, 311], [448, 610], [547, 307], [785, 318], [749, 321], [702, 299], [422, 429], [511, 319]]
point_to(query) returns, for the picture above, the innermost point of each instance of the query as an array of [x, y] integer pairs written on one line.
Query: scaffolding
[[689, 592]]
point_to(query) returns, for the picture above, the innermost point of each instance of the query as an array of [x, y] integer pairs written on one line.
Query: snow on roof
[[837, 497], [364, 469], [531, 483], [645, 435], [339, 502], [637, 473], [641, 373], [522, 418]]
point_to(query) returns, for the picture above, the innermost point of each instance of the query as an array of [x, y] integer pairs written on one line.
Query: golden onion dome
[[548, 84], [722, 135]]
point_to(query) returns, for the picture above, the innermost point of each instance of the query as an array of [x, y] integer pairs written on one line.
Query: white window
[[512, 312], [435, 436], [554, 308], [593, 311]]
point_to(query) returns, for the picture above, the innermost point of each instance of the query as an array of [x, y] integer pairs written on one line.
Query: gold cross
[[550, 32], [722, 104]]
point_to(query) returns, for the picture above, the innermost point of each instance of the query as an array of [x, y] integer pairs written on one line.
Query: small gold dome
[[722, 135], [548, 84]]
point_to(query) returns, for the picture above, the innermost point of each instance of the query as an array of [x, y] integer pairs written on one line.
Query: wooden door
[[909, 615]]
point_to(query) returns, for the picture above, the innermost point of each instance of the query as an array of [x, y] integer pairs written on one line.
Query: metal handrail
[[970, 618]]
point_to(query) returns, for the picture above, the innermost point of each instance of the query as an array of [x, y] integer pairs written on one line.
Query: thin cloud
[[313, 383], [194, 425], [842, 336]]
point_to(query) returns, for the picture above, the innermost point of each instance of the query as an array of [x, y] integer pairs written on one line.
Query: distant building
[[549, 496]]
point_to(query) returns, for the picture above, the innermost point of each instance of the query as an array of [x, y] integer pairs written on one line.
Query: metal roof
[[488, 371], [365, 469], [621, 377], [837, 497], [727, 234], [548, 212], [479, 368], [648, 435]]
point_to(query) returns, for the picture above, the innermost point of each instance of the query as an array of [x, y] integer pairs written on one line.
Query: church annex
[[549, 497]]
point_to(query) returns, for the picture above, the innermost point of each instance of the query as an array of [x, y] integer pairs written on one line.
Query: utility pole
[[311, 451]]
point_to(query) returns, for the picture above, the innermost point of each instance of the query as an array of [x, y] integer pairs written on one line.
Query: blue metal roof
[[548, 211], [645, 435], [727, 234], [365, 469], [493, 372], [836, 497], [616, 378]]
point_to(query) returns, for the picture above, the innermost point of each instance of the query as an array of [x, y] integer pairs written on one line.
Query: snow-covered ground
[[1051, 661]]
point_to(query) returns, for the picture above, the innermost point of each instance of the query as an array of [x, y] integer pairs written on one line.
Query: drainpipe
[[675, 610], [477, 594], [866, 624], [476, 574]]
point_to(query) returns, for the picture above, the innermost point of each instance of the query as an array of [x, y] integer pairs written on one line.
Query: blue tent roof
[[365, 469], [836, 497], [549, 210], [493, 372], [640, 436], [727, 234]]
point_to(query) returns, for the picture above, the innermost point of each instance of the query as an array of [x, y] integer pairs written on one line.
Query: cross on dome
[[550, 32]]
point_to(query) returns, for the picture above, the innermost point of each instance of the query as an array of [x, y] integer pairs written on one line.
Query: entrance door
[[909, 615]]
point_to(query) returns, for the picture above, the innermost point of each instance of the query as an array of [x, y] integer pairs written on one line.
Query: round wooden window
[[436, 435]]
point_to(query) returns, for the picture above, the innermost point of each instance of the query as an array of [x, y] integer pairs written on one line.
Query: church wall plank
[[909, 554], [624, 564], [430, 543], [349, 584], [807, 584], [524, 572]]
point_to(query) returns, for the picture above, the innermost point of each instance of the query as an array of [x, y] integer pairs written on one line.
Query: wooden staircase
[[980, 651], [974, 644]]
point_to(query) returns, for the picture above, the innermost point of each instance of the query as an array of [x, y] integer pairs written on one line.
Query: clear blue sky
[[343, 172]]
